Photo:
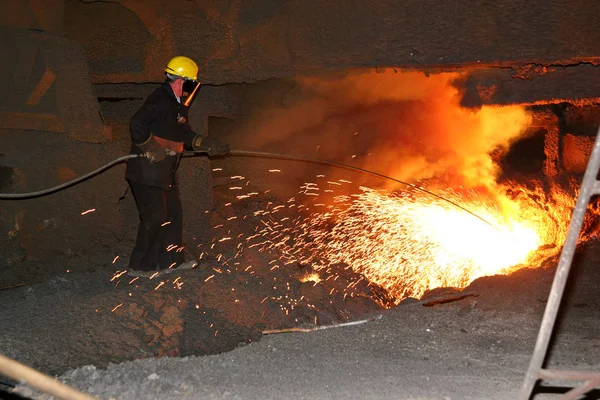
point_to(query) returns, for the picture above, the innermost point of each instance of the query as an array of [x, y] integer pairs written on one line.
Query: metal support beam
[[590, 186]]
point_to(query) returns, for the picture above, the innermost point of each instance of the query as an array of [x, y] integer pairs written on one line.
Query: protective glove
[[210, 145], [152, 150]]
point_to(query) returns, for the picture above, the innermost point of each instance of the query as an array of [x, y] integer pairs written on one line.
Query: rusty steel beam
[[591, 380], [53, 90], [31, 121], [590, 186], [569, 375], [42, 87], [575, 394]]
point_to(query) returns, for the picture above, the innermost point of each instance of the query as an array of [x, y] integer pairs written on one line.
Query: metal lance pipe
[[244, 153], [263, 154]]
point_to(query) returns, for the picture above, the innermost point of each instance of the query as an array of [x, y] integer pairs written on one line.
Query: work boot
[[150, 274], [141, 274], [187, 265]]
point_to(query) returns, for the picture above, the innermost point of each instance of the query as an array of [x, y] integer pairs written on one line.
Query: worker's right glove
[[152, 150], [212, 146]]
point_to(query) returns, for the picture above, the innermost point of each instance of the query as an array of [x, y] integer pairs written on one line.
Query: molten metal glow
[[311, 277], [410, 242], [409, 245]]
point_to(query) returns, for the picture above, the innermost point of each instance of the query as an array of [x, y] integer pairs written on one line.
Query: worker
[[160, 130]]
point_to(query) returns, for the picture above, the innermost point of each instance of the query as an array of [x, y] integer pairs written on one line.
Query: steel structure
[[590, 186]]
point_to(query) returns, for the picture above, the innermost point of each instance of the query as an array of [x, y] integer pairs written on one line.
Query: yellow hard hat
[[184, 67]]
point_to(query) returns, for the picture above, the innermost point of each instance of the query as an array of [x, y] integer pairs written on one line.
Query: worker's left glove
[[211, 146], [152, 150]]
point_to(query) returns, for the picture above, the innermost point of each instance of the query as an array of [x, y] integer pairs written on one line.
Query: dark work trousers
[[159, 237]]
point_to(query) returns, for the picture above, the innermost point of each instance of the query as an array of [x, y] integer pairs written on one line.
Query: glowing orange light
[[409, 242], [311, 276]]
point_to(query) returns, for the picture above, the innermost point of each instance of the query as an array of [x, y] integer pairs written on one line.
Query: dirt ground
[[199, 333]]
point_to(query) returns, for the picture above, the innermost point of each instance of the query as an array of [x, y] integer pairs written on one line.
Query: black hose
[[245, 153], [67, 184]]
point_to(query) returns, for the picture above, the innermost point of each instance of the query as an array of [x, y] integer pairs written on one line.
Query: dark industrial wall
[[255, 40], [63, 55], [46, 235]]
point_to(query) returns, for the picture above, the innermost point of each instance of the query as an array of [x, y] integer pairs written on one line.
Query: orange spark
[[311, 276], [118, 274]]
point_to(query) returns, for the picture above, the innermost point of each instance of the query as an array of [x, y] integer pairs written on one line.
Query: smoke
[[403, 124]]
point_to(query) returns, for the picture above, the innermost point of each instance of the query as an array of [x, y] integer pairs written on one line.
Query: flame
[[409, 243], [310, 276], [404, 124], [411, 127]]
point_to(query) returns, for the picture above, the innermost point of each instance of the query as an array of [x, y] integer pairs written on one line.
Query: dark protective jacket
[[158, 117]]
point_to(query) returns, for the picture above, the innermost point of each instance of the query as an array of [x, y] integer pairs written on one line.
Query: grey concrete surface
[[477, 348]]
